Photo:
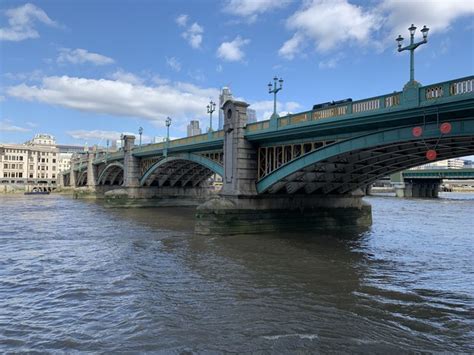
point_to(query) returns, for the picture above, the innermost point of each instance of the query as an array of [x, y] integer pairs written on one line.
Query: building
[[225, 95], [64, 162], [33, 161], [193, 128], [159, 139], [444, 164], [37, 161], [251, 115]]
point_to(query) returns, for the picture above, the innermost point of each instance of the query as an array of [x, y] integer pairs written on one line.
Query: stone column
[[72, 176], [240, 157], [131, 174], [60, 180], [91, 171]]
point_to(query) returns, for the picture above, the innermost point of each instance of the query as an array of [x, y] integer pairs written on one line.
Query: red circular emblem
[[445, 128], [431, 154], [417, 131]]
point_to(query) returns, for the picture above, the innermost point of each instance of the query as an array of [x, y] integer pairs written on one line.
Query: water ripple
[[77, 277]]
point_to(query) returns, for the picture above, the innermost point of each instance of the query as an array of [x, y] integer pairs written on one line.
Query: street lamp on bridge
[[411, 47], [140, 132], [168, 124], [274, 91], [210, 109]]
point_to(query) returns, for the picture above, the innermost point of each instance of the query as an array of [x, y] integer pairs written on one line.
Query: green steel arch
[[461, 127], [107, 170], [198, 159]]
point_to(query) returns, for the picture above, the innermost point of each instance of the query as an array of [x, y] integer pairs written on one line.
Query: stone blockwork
[[91, 171], [131, 174], [419, 188], [240, 157], [240, 210], [226, 216]]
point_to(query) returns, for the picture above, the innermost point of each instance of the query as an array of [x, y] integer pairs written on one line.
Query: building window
[[20, 175], [31, 175]]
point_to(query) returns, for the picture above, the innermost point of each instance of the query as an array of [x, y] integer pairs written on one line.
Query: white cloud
[[6, 126], [265, 108], [231, 51], [219, 68], [182, 20], [338, 22], [332, 24], [158, 80], [437, 15], [103, 136], [22, 20], [34, 75], [194, 35], [81, 56], [293, 45], [250, 9], [181, 101], [331, 62], [126, 77], [173, 63]]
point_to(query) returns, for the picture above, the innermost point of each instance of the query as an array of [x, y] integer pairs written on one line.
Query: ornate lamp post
[[274, 91], [210, 109], [168, 124], [411, 47], [140, 132]]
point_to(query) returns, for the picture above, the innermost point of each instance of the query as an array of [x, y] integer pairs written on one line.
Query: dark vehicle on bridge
[[331, 103]]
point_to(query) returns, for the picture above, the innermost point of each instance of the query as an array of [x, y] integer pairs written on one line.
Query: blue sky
[[85, 71]]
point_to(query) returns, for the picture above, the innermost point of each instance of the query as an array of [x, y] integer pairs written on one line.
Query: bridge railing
[[448, 88], [393, 101], [206, 137], [466, 173]]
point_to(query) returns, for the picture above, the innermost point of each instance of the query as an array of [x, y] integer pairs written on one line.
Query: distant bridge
[[452, 174]]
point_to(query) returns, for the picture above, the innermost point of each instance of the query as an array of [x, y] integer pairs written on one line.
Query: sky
[[86, 71]]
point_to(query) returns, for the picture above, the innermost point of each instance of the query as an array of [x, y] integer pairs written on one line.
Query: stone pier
[[419, 188], [240, 210]]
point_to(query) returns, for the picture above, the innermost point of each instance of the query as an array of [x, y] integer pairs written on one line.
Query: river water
[[75, 276]]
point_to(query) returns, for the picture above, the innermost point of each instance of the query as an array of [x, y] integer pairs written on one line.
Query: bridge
[[453, 174], [426, 182], [316, 163]]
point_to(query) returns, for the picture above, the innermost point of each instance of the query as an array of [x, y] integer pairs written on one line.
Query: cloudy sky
[[87, 70]]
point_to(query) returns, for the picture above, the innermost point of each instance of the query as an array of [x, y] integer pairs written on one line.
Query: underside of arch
[[346, 166], [186, 170], [111, 175]]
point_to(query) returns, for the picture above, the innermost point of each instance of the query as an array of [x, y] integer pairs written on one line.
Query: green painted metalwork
[[208, 163], [452, 91], [372, 140], [439, 173], [107, 168]]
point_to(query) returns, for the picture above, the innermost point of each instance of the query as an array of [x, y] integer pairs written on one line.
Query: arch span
[[110, 174], [345, 166], [181, 170]]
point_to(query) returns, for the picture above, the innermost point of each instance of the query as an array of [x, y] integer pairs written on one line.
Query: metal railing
[[393, 101]]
